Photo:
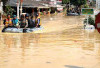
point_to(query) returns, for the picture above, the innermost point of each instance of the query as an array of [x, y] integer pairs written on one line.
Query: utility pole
[[96, 4], [18, 9], [21, 6], [69, 4]]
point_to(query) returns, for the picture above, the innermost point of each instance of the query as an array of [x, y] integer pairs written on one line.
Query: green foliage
[[64, 10], [41, 13], [78, 2], [65, 1], [86, 6], [90, 21], [9, 10]]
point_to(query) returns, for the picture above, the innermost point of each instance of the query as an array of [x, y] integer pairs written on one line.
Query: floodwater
[[63, 43]]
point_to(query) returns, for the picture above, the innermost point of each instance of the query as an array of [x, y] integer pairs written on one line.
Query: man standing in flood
[[23, 23], [29, 21]]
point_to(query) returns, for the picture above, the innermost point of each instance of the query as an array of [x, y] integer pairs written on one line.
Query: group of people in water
[[25, 21], [74, 10]]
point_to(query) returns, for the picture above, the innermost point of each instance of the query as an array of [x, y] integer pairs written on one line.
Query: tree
[[65, 1], [78, 2], [9, 10], [4, 1]]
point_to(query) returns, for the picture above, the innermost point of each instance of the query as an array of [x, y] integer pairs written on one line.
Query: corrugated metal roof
[[12, 2], [32, 3], [27, 3]]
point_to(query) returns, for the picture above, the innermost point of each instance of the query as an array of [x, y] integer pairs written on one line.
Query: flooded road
[[63, 43]]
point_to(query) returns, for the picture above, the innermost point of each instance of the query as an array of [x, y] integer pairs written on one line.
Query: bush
[[86, 6], [91, 3], [90, 21]]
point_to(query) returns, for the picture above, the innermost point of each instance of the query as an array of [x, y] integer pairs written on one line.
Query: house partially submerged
[[30, 6]]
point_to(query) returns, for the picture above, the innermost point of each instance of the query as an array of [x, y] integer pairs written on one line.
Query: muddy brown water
[[63, 43]]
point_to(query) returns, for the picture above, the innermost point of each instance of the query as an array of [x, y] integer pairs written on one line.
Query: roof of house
[[27, 3], [32, 3]]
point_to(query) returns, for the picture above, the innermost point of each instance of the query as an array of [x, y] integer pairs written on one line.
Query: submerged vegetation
[[91, 21]]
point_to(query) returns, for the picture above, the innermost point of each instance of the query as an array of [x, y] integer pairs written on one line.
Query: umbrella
[[97, 22]]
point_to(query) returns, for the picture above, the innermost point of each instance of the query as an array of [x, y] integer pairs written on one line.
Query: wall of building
[[1, 10], [1, 7]]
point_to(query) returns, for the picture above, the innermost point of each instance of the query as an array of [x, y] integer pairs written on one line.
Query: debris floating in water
[[51, 18]]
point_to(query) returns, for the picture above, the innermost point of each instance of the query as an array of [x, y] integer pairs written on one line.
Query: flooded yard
[[63, 43]]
